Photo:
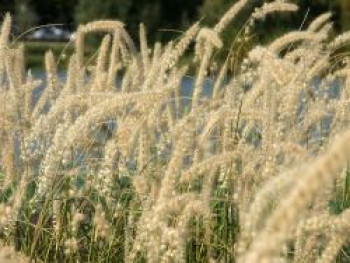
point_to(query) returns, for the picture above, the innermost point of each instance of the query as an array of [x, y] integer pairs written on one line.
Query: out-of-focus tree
[[25, 15], [265, 30], [155, 14], [56, 11], [126, 11], [160, 15], [87, 10], [6, 6], [345, 13], [211, 11]]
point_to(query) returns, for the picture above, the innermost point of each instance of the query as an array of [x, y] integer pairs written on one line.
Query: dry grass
[[256, 171]]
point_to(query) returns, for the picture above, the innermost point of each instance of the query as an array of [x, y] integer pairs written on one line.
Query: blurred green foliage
[[167, 19], [160, 16]]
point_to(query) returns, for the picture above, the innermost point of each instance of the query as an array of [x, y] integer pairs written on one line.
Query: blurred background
[[164, 19]]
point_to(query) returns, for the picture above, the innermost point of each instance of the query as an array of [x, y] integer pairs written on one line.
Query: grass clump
[[256, 170]]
